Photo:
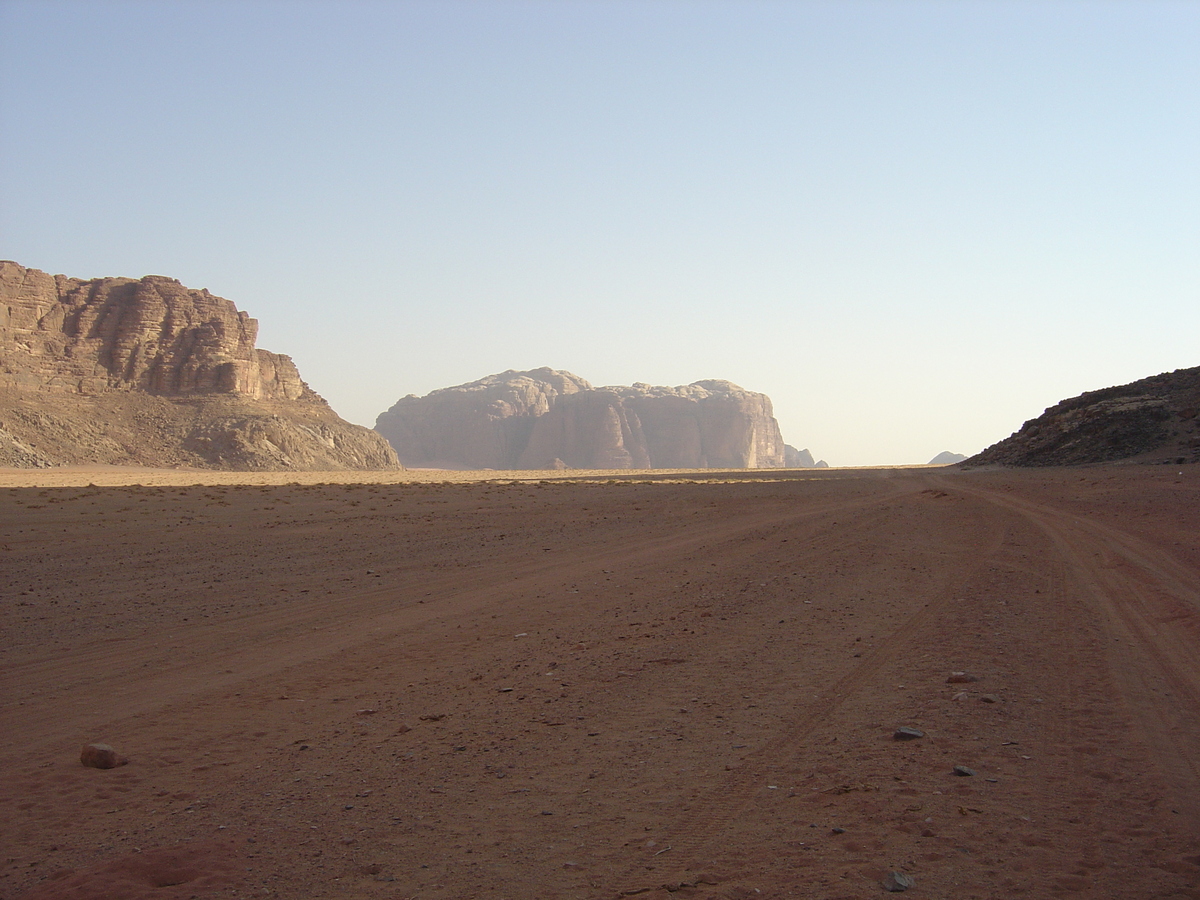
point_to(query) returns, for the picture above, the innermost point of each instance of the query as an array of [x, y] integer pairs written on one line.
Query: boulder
[[101, 756]]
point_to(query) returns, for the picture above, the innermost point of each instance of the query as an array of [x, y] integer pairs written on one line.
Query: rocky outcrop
[[1156, 419], [149, 372], [797, 459], [151, 334], [545, 418], [947, 458]]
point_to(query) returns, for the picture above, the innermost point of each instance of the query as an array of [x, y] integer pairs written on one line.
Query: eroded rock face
[[149, 372], [1156, 419], [588, 430], [797, 459], [546, 418], [485, 424], [151, 334]]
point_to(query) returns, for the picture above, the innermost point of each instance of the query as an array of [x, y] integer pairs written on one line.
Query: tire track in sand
[[1150, 605], [699, 837], [251, 646]]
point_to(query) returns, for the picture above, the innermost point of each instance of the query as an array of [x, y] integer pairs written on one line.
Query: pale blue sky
[[913, 224]]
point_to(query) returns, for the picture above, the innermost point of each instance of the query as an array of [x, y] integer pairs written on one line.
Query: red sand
[[578, 690]]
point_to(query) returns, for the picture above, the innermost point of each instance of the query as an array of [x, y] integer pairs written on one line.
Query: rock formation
[[1156, 419], [101, 756], [947, 458], [797, 459], [545, 418], [482, 425], [149, 372]]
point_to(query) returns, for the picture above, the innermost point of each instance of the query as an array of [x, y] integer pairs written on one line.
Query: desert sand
[[433, 685]]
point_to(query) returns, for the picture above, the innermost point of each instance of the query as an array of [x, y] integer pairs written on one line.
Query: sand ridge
[[604, 688]]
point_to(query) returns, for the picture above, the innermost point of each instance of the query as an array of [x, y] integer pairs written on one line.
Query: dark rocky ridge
[[544, 418], [148, 372], [1156, 419]]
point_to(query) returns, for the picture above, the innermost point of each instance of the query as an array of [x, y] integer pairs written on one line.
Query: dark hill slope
[[1151, 420]]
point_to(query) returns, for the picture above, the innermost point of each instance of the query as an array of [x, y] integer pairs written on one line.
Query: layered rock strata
[[149, 372], [545, 418]]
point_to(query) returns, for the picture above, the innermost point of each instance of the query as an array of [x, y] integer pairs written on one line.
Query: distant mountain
[[1154, 420], [124, 371], [797, 459], [544, 419], [946, 458]]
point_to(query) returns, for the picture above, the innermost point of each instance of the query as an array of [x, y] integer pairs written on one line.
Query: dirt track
[[590, 689]]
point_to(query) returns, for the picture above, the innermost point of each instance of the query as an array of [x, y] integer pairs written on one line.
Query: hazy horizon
[[914, 225]]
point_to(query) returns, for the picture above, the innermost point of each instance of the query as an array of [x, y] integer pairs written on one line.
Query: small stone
[[963, 771], [897, 881], [961, 678], [989, 698], [904, 733], [101, 756], [838, 830]]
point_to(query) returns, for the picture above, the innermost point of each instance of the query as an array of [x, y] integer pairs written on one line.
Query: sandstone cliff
[[550, 419], [1156, 419], [149, 372], [482, 425]]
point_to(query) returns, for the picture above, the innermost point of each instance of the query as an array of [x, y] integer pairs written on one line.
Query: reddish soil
[[597, 689]]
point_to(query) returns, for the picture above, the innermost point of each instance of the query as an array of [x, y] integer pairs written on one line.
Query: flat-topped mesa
[[123, 371], [544, 418], [484, 424], [150, 334]]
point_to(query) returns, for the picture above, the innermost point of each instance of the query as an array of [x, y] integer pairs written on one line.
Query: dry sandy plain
[[574, 688]]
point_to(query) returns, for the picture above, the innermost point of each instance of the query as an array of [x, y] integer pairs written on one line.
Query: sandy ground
[[427, 688]]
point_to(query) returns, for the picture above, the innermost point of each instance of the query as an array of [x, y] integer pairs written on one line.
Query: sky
[[914, 225]]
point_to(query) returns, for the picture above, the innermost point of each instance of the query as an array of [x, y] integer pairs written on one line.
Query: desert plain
[[601, 685]]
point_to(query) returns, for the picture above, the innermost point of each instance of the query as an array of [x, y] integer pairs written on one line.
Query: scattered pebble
[[963, 771], [904, 733], [989, 698], [961, 678], [897, 881]]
